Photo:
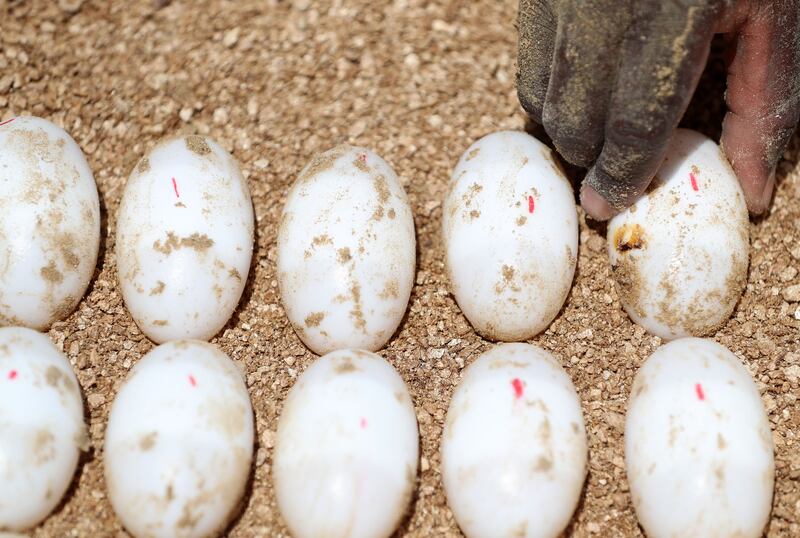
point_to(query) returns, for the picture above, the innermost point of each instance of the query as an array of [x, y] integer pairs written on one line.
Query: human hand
[[610, 79]]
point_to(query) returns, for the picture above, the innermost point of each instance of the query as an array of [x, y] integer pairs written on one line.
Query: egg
[[346, 251], [514, 449], [680, 254], [698, 446], [510, 236], [49, 223], [179, 442], [184, 239], [41, 427], [345, 461]]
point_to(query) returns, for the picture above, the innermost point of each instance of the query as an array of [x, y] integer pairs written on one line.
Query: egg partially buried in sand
[[179, 442], [346, 251], [184, 239], [698, 446], [345, 461], [41, 427], [49, 223], [510, 236], [680, 254], [514, 449]]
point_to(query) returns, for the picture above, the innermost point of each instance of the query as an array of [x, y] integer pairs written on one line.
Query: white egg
[[679, 255], [346, 251], [345, 462], [179, 442], [184, 239], [41, 427], [510, 236], [49, 223], [514, 450], [698, 446]]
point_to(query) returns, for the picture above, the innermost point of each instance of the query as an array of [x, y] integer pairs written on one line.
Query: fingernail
[[595, 205], [766, 194]]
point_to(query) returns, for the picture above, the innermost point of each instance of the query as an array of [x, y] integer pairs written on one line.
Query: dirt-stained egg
[[680, 254], [41, 427], [698, 445], [49, 223], [184, 239], [514, 449], [511, 236], [346, 450], [179, 442], [346, 251]]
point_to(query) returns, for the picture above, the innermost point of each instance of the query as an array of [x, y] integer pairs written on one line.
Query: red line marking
[[12, 375], [175, 186], [530, 204], [192, 380], [363, 423], [698, 388], [7, 122], [694, 181], [519, 387]]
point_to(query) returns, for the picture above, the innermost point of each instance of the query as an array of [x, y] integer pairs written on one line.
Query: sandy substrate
[[417, 81]]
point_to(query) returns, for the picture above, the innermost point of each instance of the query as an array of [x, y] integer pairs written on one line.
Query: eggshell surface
[[346, 251], [345, 461], [179, 442], [680, 254], [184, 239], [510, 235], [698, 446], [514, 449], [49, 223], [41, 427]]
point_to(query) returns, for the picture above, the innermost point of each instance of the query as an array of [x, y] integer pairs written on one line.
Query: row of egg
[[179, 442], [346, 244]]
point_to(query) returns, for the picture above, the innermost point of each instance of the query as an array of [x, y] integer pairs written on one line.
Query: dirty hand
[[610, 80]]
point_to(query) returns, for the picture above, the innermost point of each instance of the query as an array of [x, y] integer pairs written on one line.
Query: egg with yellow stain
[[679, 255]]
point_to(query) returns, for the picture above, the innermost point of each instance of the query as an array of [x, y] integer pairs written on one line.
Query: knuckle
[[577, 151], [577, 137], [650, 133]]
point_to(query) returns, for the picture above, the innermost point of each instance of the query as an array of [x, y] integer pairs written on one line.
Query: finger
[[537, 29], [662, 57], [584, 66], [595, 205], [763, 98]]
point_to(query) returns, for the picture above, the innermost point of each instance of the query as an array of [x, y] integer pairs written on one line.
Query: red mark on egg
[[363, 423], [7, 122], [694, 181], [175, 186], [531, 204], [698, 388], [12, 375], [192, 381], [519, 387]]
